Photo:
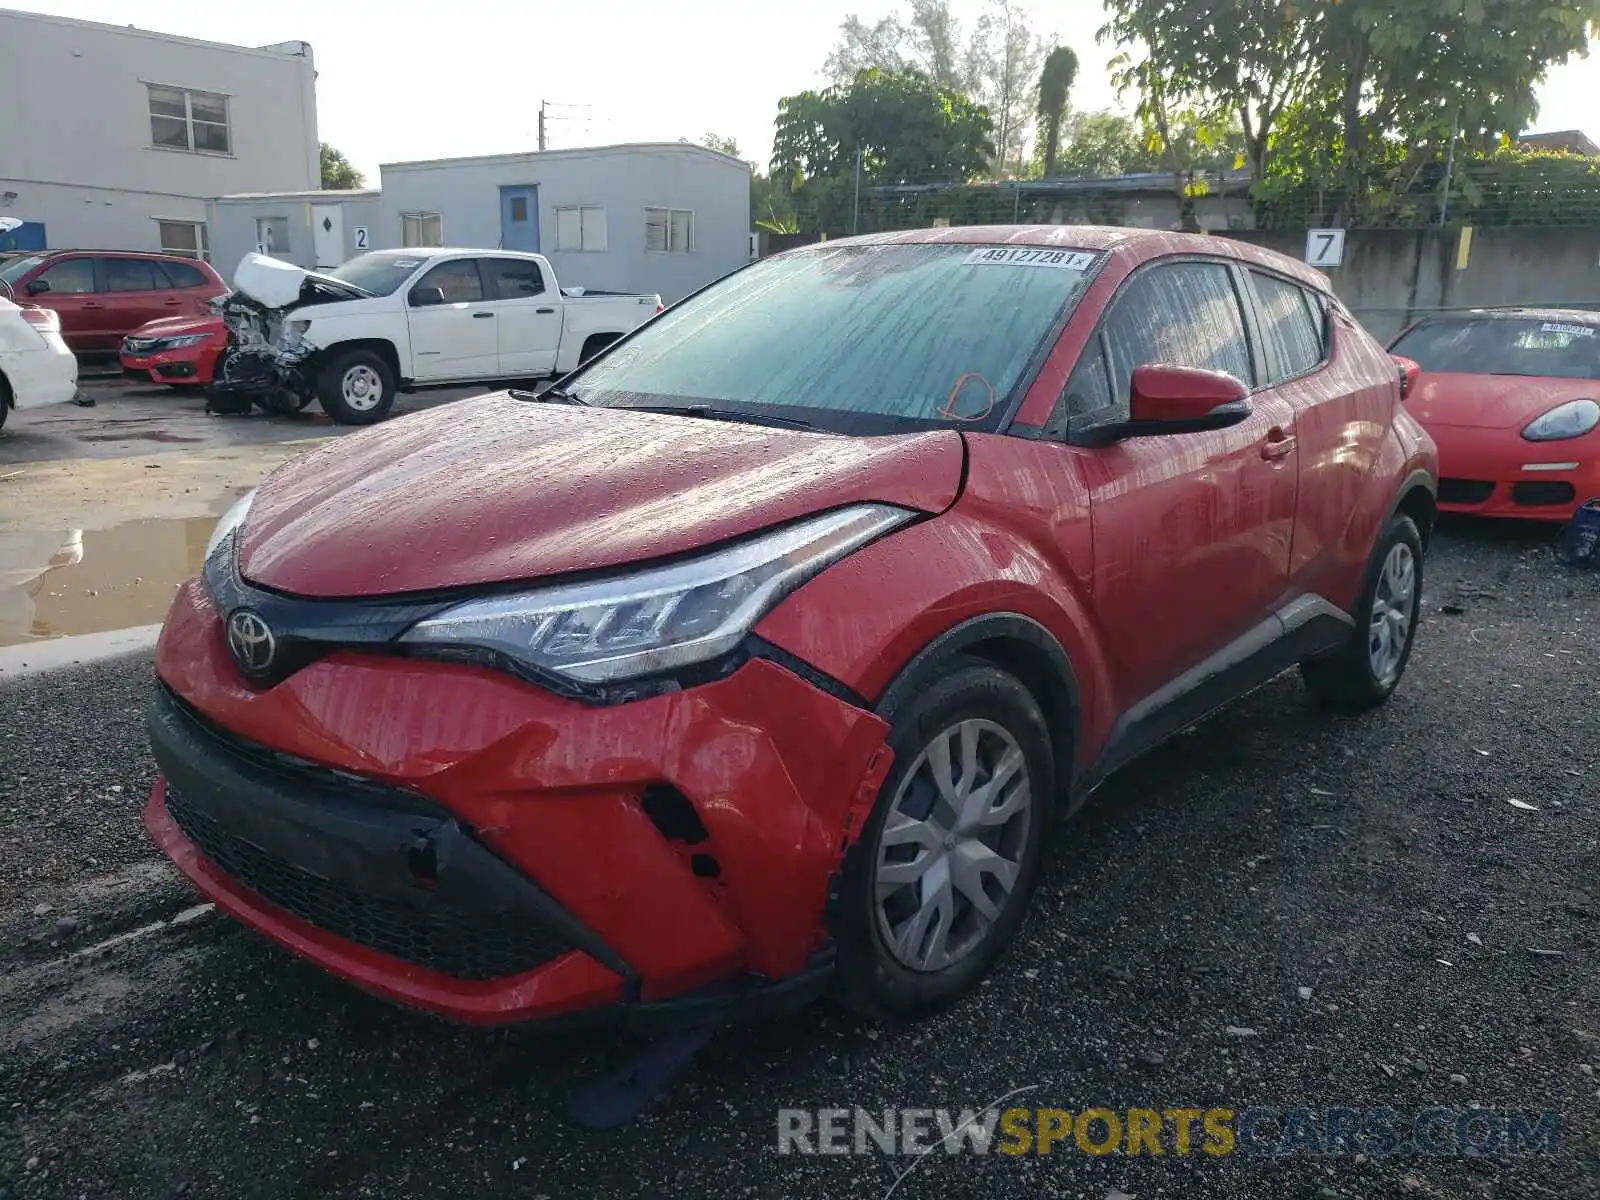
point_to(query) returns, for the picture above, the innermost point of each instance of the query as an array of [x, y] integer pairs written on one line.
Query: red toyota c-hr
[[763, 651]]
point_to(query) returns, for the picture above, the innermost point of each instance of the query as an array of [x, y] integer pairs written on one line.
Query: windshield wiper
[[554, 394], [706, 412]]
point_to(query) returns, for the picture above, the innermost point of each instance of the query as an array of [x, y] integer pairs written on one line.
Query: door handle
[[1279, 444], [172, 303], [544, 311], [92, 304], [478, 316]]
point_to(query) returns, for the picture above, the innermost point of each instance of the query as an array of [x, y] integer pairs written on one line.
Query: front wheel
[[939, 882], [356, 387], [1365, 671]]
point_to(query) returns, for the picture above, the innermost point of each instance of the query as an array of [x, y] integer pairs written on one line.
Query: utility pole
[[1449, 168], [541, 125], [855, 211]]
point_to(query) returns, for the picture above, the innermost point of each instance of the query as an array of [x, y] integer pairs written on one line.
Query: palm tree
[[1055, 84]]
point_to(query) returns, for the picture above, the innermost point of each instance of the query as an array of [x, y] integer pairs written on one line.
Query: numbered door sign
[[361, 237], [1325, 248]]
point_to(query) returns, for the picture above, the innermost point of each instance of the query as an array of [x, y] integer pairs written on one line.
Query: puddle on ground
[[70, 581]]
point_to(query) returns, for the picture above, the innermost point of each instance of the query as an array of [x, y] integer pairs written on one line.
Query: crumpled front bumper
[[667, 851]]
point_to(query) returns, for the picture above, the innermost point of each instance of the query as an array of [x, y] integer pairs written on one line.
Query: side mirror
[[1410, 373], [1184, 400], [38, 287], [422, 297]]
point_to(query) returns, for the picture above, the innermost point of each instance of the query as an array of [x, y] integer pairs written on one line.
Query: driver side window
[[1180, 314]]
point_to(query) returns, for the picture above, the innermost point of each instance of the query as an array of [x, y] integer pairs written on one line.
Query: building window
[[581, 227], [272, 235], [669, 230], [184, 238], [193, 121], [421, 229]]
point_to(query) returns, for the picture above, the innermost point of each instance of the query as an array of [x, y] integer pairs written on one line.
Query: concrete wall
[[76, 145], [624, 180], [1391, 277], [233, 225]]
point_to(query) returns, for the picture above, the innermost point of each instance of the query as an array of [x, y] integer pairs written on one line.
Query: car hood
[[175, 326], [496, 490], [1492, 401]]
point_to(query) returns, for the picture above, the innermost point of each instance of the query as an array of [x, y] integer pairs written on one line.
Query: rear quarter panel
[[584, 316]]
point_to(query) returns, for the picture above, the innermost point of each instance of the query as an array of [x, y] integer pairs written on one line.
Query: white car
[[396, 320], [36, 368]]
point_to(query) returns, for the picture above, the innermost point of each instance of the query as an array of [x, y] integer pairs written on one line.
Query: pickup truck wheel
[[1365, 671], [939, 881], [5, 399], [356, 387]]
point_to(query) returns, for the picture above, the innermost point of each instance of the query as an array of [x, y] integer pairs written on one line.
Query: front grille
[[1464, 491], [429, 933], [1550, 492]]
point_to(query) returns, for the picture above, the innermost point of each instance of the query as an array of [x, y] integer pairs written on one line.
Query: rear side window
[[513, 278], [72, 276], [1182, 315], [182, 275], [1292, 334], [132, 275], [1532, 346]]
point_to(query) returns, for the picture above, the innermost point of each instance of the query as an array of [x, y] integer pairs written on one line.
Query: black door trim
[[1304, 628]]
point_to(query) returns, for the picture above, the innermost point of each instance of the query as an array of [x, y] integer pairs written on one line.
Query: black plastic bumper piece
[[374, 865]]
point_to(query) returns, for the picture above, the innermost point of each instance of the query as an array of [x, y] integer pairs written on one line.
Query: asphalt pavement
[[1280, 909]]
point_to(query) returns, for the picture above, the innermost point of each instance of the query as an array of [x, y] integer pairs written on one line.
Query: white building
[[115, 138], [652, 217], [314, 229]]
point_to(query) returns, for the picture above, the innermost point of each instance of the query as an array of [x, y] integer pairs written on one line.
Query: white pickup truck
[[396, 320]]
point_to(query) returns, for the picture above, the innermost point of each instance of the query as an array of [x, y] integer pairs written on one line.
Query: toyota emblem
[[252, 642]]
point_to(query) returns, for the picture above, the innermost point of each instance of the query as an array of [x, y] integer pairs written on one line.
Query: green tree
[[337, 173], [902, 125], [1055, 86], [1099, 144], [722, 145]]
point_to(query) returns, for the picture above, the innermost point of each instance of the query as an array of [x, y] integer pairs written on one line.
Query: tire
[[356, 387], [1365, 671], [885, 969], [5, 400]]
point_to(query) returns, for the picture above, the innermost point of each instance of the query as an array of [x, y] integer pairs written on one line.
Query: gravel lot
[[1271, 850]]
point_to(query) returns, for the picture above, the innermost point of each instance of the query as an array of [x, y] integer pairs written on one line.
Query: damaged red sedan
[[761, 654]]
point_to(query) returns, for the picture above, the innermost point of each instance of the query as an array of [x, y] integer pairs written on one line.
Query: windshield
[[904, 334], [18, 267], [1505, 346], [380, 273]]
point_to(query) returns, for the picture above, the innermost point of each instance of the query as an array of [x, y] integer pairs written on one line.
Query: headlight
[[231, 520], [660, 618], [186, 339], [1569, 421]]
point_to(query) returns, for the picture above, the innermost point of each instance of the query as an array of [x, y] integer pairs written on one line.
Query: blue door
[[519, 219]]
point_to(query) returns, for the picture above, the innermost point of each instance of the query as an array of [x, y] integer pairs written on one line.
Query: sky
[[398, 82]]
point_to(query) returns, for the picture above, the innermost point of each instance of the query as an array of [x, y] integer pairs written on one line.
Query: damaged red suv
[[762, 653]]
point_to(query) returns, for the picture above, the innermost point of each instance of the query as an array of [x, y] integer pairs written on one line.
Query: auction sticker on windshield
[[1020, 256], [1582, 331]]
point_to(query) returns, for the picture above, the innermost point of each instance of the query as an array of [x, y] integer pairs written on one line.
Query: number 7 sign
[[1325, 248]]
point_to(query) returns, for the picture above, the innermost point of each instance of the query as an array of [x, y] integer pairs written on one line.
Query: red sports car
[[1512, 397], [179, 351], [763, 651]]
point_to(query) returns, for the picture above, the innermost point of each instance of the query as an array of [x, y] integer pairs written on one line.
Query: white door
[[327, 229], [527, 316], [455, 339]]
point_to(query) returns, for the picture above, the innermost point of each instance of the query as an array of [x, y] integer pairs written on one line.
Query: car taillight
[[44, 320], [660, 308]]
